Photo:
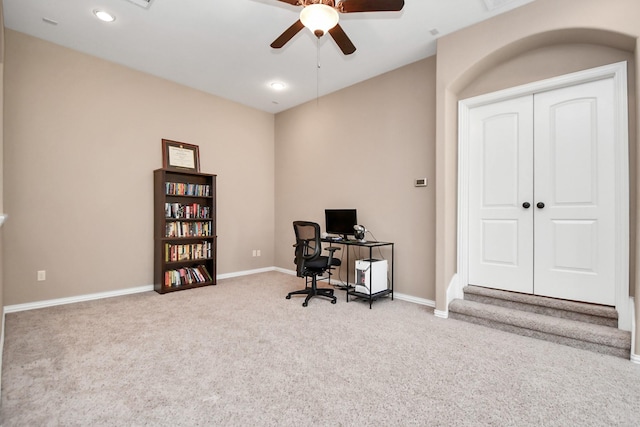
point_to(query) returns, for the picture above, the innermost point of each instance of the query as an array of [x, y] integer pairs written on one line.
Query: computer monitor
[[340, 221]]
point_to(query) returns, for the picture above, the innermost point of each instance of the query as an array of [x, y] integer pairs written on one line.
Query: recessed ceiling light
[[104, 16], [277, 85]]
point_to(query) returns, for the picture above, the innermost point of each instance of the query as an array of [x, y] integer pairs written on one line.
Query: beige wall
[[467, 54], [362, 148], [82, 137]]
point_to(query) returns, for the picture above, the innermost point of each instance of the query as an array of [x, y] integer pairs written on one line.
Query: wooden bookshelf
[[184, 230]]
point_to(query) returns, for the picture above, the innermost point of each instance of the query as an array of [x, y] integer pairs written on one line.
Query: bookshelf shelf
[[184, 230]]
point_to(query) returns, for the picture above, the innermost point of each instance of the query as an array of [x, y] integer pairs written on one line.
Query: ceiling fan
[[321, 16]]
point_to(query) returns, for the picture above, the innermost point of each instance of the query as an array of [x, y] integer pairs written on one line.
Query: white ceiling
[[222, 46]]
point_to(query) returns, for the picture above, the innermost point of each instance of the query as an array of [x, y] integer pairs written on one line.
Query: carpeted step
[[587, 336], [582, 312]]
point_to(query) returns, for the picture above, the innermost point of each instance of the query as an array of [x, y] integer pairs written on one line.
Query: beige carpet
[[240, 354]]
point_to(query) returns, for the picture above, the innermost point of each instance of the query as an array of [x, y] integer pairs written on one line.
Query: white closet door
[[501, 171], [575, 179]]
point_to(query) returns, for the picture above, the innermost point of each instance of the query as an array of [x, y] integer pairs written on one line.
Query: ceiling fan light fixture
[[319, 18]]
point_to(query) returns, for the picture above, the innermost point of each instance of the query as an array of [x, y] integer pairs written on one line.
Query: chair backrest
[[308, 245]]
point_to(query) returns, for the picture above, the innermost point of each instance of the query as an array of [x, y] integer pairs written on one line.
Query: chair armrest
[[331, 250]]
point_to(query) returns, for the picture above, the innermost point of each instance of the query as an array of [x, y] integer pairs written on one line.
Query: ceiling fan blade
[[348, 6], [293, 2], [342, 40], [287, 35]]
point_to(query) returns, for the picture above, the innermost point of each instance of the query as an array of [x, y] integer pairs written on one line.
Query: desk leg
[[370, 275], [346, 248], [393, 269]]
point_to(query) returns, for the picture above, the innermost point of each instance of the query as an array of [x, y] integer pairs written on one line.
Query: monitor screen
[[340, 221]]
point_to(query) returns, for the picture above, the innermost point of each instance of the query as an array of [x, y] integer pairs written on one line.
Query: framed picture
[[180, 156]]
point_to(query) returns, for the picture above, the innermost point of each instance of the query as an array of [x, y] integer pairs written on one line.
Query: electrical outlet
[[254, 253], [42, 275], [258, 253]]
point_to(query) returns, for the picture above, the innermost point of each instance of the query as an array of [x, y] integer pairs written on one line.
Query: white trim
[[80, 298], [622, 196], [244, 273], [463, 198], [454, 290], [415, 300], [285, 271], [441, 314], [60, 301], [109, 294], [618, 73]]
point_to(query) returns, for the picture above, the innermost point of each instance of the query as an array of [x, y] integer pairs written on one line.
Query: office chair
[[310, 262]]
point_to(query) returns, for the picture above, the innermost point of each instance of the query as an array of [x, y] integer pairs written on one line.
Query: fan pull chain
[[317, 70]]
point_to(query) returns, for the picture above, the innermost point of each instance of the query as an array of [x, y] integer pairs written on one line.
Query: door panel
[[575, 179], [499, 242], [575, 246], [501, 171], [572, 151]]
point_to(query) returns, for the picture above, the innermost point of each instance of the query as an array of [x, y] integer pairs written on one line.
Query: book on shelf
[[186, 189], [186, 252], [187, 276], [188, 229], [186, 211]]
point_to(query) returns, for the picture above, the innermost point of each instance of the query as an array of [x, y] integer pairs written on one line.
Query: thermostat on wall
[[421, 182]]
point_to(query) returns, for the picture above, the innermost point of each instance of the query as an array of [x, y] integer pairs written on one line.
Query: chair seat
[[321, 263]]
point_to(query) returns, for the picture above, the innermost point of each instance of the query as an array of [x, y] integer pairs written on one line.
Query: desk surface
[[368, 243]]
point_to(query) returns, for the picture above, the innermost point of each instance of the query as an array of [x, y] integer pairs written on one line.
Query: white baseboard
[[61, 301], [69, 300], [415, 300], [452, 293], [285, 271], [147, 288], [441, 314], [454, 290], [109, 294], [244, 273]]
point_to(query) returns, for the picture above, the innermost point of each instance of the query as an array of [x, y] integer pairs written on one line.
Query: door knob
[[540, 205], [526, 205]]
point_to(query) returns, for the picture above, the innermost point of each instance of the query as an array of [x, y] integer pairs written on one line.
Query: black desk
[[366, 244]]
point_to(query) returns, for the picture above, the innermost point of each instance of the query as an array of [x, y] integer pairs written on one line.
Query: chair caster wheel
[[333, 301], [304, 304], [288, 297]]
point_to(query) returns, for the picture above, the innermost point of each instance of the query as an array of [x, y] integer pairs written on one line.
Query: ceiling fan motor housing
[[335, 30], [308, 2]]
